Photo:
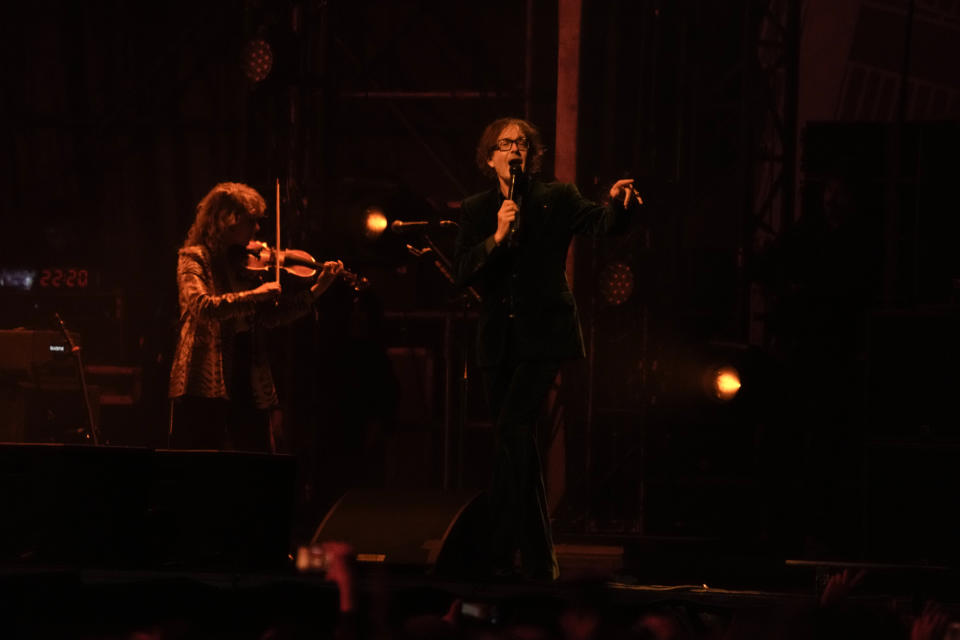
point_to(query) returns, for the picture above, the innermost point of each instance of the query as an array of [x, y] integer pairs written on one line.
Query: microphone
[[401, 226], [516, 168]]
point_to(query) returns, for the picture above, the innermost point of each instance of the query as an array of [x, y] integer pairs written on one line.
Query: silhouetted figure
[[824, 274]]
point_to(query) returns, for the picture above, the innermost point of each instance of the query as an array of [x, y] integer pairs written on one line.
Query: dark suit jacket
[[525, 288]]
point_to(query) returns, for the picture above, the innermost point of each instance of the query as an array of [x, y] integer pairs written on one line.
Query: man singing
[[512, 246]]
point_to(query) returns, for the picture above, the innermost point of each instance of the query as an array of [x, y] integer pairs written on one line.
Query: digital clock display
[[47, 279], [57, 278]]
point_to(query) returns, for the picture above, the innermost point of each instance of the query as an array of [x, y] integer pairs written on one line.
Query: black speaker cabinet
[[223, 510], [129, 507], [434, 531]]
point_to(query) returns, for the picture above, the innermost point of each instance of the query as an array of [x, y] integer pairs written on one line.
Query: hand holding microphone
[[506, 220], [516, 171]]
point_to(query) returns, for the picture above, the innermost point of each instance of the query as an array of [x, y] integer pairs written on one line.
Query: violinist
[[221, 388]]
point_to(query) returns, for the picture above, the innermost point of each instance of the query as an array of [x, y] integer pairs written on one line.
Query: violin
[[261, 257]]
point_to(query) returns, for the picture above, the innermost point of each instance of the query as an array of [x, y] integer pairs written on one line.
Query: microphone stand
[[76, 352], [470, 296]]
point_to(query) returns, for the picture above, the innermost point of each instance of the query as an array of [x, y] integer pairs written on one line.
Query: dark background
[[834, 296]]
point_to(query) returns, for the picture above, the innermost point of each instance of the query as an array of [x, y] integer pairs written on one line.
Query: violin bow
[[276, 261]]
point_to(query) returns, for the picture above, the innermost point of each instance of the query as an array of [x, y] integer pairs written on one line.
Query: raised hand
[[624, 189], [840, 585], [931, 624], [339, 556]]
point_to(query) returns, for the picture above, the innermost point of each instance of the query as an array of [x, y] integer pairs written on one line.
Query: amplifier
[[29, 353]]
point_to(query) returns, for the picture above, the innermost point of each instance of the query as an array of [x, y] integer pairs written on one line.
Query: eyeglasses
[[505, 144]]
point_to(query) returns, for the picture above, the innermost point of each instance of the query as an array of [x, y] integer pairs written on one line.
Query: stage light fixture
[[375, 222], [616, 283], [725, 383], [257, 59]]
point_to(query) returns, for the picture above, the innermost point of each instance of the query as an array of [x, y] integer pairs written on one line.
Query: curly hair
[[221, 208], [488, 143]]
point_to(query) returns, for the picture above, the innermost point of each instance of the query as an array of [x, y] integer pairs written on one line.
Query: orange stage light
[[726, 383], [375, 222]]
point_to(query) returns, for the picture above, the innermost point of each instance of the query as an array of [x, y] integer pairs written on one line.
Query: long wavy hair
[[221, 208], [488, 144]]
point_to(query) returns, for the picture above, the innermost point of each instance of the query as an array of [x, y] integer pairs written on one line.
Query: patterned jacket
[[213, 309]]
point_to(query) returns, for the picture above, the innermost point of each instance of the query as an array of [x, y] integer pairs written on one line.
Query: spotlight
[[257, 59], [616, 283], [375, 222], [725, 383]]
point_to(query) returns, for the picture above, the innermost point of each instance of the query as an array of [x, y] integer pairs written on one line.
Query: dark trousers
[[214, 423], [516, 392]]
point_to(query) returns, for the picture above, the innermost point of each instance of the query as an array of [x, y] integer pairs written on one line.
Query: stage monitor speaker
[[222, 510], [436, 531]]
